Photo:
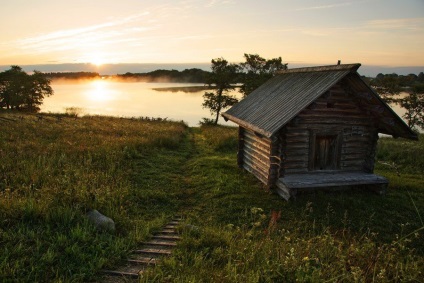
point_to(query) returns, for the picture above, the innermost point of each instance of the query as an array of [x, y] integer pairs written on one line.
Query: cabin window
[[325, 153]]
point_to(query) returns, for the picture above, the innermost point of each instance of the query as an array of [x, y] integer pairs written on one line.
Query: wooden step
[[143, 261], [159, 243], [168, 231], [170, 226], [153, 251], [121, 273], [167, 237]]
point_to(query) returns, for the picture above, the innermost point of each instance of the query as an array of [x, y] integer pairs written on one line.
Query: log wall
[[334, 113], [255, 154]]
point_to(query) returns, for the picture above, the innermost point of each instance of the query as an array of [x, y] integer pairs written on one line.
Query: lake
[[174, 101]]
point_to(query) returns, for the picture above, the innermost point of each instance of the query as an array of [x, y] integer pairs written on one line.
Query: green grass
[[142, 173]]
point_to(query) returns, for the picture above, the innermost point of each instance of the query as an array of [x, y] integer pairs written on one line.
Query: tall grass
[[401, 154], [140, 173], [246, 234], [55, 168]]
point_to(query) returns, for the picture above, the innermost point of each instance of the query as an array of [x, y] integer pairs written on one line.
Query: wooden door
[[326, 153]]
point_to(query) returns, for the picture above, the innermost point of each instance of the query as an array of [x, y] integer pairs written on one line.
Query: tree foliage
[[193, 75], [387, 86], [252, 73], [72, 75], [257, 70], [21, 91], [414, 105], [409, 88], [222, 77]]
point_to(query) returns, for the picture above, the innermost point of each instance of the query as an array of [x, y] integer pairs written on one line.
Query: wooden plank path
[[148, 254]]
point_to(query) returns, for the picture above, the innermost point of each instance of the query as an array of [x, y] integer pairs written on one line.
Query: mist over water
[[174, 101], [122, 68]]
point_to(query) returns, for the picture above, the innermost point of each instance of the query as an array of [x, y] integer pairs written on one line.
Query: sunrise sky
[[372, 32]]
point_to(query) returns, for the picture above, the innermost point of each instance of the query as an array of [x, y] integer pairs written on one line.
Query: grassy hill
[[141, 173]]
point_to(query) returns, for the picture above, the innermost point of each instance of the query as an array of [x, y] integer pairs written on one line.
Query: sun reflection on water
[[99, 91]]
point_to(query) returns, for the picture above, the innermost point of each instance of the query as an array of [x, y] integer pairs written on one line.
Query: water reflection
[[131, 99], [175, 101], [100, 91]]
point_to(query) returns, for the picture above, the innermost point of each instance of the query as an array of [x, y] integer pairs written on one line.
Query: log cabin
[[314, 128]]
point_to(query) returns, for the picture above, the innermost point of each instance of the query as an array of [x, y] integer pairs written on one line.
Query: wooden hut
[[314, 128]]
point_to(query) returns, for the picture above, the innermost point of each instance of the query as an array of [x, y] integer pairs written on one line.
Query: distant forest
[[72, 75], [174, 76], [396, 82], [195, 75]]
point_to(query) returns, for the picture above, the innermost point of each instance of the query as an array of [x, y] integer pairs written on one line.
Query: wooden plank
[[289, 171], [354, 150], [346, 113], [259, 175], [121, 273], [352, 164], [153, 251], [252, 137], [255, 161], [160, 244], [252, 148], [257, 166], [298, 153], [296, 146], [296, 164], [353, 157], [143, 261], [301, 134], [254, 144], [241, 144], [167, 237], [328, 180]]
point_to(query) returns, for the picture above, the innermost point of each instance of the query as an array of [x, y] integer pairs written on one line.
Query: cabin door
[[326, 153]]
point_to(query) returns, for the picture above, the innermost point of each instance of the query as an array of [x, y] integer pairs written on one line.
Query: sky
[[372, 32]]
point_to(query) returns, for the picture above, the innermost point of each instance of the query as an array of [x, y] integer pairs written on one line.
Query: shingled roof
[[271, 106]]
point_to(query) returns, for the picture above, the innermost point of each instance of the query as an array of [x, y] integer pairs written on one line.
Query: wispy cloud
[[391, 24], [322, 7], [71, 38], [219, 2]]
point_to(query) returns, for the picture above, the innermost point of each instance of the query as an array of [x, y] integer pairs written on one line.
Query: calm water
[[130, 99], [134, 99]]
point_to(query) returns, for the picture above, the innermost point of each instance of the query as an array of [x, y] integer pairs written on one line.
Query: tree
[[387, 86], [38, 88], [391, 85], [21, 91], [257, 70], [414, 105], [222, 77]]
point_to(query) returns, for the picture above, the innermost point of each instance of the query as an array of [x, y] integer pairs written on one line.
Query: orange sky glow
[[373, 32]]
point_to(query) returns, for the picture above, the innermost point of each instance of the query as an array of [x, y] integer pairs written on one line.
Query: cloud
[[390, 24], [321, 7], [90, 35], [219, 2]]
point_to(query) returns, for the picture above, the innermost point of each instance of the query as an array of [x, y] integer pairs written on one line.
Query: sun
[[97, 59]]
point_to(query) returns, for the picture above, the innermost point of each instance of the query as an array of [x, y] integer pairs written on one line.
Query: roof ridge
[[340, 67]]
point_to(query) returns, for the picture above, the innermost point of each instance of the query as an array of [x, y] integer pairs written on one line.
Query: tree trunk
[[218, 110], [217, 117]]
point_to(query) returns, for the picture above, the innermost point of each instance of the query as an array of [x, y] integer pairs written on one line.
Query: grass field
[[142, 173]]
